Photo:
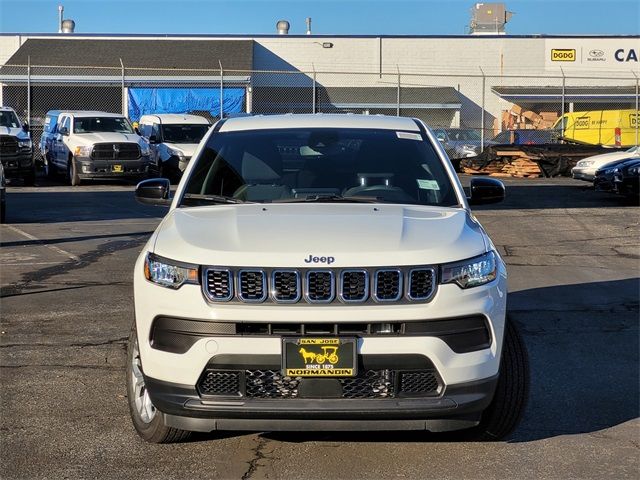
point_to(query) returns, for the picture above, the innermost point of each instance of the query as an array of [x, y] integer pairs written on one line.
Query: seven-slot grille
[[115, 151], [8, 145], [413, 284]]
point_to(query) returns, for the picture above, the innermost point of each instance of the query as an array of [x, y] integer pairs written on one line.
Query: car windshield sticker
[[428, 184], [409, 136]]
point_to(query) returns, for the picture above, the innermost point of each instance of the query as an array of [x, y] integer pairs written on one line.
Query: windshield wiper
[[212, 198], [331, 199]]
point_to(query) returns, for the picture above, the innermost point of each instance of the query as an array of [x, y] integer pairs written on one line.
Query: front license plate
[[319, 357], [118, 169]]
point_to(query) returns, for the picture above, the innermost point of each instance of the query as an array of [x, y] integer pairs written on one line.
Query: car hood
[[14, 132], [605, 158], [107, 137], [283, 235], [187, 149]]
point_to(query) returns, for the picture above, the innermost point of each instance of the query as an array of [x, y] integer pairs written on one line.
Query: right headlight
[[585, 163], [471, 273], [168, 273]]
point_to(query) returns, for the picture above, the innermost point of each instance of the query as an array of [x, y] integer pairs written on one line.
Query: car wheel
[[72, 173], [512, 391], [146, 419], [30, 178]]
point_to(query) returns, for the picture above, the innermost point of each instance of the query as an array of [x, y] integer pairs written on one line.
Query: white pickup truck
[[91, 145]]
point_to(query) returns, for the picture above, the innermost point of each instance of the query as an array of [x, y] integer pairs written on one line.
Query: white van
[[173, 138]]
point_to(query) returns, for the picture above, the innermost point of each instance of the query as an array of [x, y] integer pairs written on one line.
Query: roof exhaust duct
[[308, 25], [282, 27], [68, 26]]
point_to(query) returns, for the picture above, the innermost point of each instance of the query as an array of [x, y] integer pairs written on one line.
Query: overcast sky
[[371, 17]]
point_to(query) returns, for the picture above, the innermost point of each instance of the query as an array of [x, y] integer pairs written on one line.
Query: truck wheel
[[512, 391], [29, 178], [50, 169], [146, 419], [72, 173]]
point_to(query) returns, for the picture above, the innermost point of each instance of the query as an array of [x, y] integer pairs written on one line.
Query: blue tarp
[[143, 101]]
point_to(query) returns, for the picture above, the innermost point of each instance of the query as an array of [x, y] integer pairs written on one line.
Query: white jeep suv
[[322, 272]]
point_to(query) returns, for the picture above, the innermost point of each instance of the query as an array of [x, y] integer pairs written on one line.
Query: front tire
[[72, 173], [146, 419], [29, 179], [510, 399]]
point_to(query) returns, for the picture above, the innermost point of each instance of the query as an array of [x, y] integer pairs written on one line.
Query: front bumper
[[458, 407], [17, 164], [90, 168], [587, 174]]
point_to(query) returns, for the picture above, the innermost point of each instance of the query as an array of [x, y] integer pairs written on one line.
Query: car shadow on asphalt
[[583, 348], [552, 196]]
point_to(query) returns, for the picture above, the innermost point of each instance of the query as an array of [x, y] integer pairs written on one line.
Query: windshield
[[464, 135], [181, 133], [9, 119], [101, 124], [319, 164]]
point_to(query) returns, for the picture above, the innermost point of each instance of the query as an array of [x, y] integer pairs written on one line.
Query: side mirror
[[486, 190], [25, 127], [135, 129], [153, 139], [154, 191], [64, 131]]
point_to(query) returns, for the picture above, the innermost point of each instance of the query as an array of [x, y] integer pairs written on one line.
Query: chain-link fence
[[467, 112]]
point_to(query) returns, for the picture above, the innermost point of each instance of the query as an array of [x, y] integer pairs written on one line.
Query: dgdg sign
[[563, 55]]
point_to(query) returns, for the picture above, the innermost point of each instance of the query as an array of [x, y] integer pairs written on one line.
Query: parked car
[[91, 145], [172, 139], [16, 148], [586, 168], [522, 136], [3, 195], [48, 138], [626, 178], [459, 142], [322, 272]]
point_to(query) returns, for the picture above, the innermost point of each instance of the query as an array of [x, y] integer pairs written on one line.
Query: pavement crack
[[258, 454]]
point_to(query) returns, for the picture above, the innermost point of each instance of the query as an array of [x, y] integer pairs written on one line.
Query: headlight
[[176, 153], [168, 273], [634, 170], [584, 163], [25, 144], [145, 151], [471, 273], [82, 151]]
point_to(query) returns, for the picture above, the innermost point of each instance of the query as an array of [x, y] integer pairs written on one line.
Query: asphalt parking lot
[[67, 256]]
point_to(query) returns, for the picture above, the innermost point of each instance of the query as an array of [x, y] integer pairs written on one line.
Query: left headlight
[[634, 170], [584, 163], [176, 153], [471, 273], [168, 273], [25, 144], [82, 151], [145, 151]]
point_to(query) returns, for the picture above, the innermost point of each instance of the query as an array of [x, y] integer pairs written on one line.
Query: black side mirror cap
[[485, 190], [155, 191], [153, 139], [25, 127]]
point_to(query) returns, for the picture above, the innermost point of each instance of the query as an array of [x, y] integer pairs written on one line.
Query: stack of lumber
[[548, 160], [510, 163], [518, 118]]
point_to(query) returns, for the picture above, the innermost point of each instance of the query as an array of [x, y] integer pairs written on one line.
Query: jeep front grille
[[328, 286]]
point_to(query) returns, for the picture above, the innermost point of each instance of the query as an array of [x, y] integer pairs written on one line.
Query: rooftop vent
[[489, 19], [282, 27]]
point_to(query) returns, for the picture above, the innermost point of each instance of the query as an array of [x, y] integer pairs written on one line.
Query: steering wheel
[[385, 192]]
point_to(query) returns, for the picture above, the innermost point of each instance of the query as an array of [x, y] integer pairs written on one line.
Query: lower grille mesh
[[273, 384]]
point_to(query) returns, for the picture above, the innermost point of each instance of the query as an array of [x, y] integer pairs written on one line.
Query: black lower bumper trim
[[463, 401]]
